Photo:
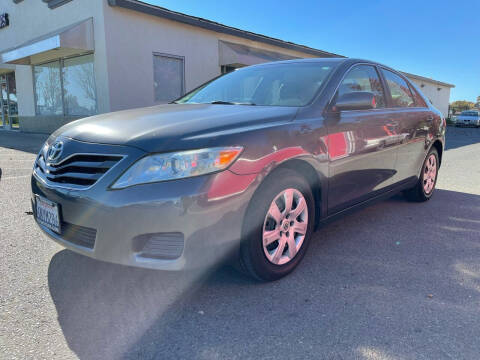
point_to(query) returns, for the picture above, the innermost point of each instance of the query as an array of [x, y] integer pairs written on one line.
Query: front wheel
[[425, 186], [278, 226]]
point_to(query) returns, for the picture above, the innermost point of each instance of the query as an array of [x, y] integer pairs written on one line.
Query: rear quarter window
[[418, 98]]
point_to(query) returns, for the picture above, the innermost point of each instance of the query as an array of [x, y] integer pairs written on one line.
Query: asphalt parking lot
[[394, 281]]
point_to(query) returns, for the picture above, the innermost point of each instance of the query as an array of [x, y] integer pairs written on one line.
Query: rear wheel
[[278, 226], [425, 186]]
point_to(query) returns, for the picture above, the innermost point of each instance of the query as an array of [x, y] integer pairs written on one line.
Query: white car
[[468, 118]]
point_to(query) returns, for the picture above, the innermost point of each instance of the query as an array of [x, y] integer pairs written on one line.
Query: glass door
[[3, 101], [12, 100], [8, 101]]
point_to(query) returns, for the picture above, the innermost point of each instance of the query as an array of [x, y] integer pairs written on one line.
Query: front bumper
[[195, 222], [467, 123]]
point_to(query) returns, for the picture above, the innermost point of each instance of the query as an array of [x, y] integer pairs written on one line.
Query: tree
[[461, 105], [50, 90], [86, 81]]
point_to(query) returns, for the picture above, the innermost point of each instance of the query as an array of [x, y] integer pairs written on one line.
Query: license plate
[[47, 213]]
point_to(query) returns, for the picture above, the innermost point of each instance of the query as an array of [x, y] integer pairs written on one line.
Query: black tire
[[253, 260], [417, 193]]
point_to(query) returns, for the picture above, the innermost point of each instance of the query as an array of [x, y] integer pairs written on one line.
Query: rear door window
[[363, 78], [399, 90]]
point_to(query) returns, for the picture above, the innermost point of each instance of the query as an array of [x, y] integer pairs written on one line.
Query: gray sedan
[[242, 169], [468, 118]]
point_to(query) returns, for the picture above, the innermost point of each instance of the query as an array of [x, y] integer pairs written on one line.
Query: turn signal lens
[[227, 156]]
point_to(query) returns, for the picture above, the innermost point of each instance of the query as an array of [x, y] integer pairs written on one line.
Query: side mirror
[[357, 100]]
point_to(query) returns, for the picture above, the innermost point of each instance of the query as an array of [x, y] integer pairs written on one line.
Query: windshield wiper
[[221, 102]]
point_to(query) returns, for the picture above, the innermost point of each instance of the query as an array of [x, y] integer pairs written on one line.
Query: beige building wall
[[133, 37]]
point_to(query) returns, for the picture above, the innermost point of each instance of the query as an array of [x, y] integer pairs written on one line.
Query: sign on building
[[4, 20]]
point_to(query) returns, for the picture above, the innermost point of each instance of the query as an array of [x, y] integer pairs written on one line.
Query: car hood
[[174, 126]]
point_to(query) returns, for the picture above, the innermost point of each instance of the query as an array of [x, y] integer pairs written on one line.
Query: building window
[[225, 69], [48, 89], [168, 77], [66, 87], [79, 86]]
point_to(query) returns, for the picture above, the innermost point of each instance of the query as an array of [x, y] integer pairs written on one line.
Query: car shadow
[[382, 282], [26, 142]]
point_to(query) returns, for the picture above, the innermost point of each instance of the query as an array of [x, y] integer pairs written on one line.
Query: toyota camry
[[243, 168]]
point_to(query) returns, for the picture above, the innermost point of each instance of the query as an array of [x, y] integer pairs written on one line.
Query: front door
[[8, 101], [360, 144], [4, 102]]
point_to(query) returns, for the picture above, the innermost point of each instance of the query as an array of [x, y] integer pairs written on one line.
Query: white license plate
[[47, 213]]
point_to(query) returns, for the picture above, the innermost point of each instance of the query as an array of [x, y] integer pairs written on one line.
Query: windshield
[[287, 84]]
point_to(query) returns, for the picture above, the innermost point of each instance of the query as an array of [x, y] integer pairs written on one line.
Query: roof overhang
[[428, 80], [6, 68], [242, 55], [72, 40]]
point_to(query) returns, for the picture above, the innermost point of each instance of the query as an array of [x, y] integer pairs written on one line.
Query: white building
[[65, 59], [437, 91]]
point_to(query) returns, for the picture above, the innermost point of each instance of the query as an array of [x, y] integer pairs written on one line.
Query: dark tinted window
[[401, 95], [168, 77], [363, 78]]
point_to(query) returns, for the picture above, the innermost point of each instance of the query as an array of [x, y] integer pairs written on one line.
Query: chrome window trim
[[49, 183]]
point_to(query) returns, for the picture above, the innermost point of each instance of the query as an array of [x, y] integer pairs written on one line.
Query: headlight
[[177, 165]]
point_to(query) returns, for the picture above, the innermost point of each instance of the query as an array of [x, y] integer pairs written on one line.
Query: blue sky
[[433, 38]]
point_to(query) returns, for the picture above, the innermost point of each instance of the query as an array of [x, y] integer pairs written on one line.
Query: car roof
[[346, 61]]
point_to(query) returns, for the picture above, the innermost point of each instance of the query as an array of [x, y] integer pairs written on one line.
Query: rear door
[[412, 119], [361, 152]]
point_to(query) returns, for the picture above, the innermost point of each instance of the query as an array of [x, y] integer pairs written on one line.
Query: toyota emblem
[[54, 151]]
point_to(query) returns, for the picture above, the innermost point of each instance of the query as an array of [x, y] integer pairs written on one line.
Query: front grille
[[79, 235], [78, 171]]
